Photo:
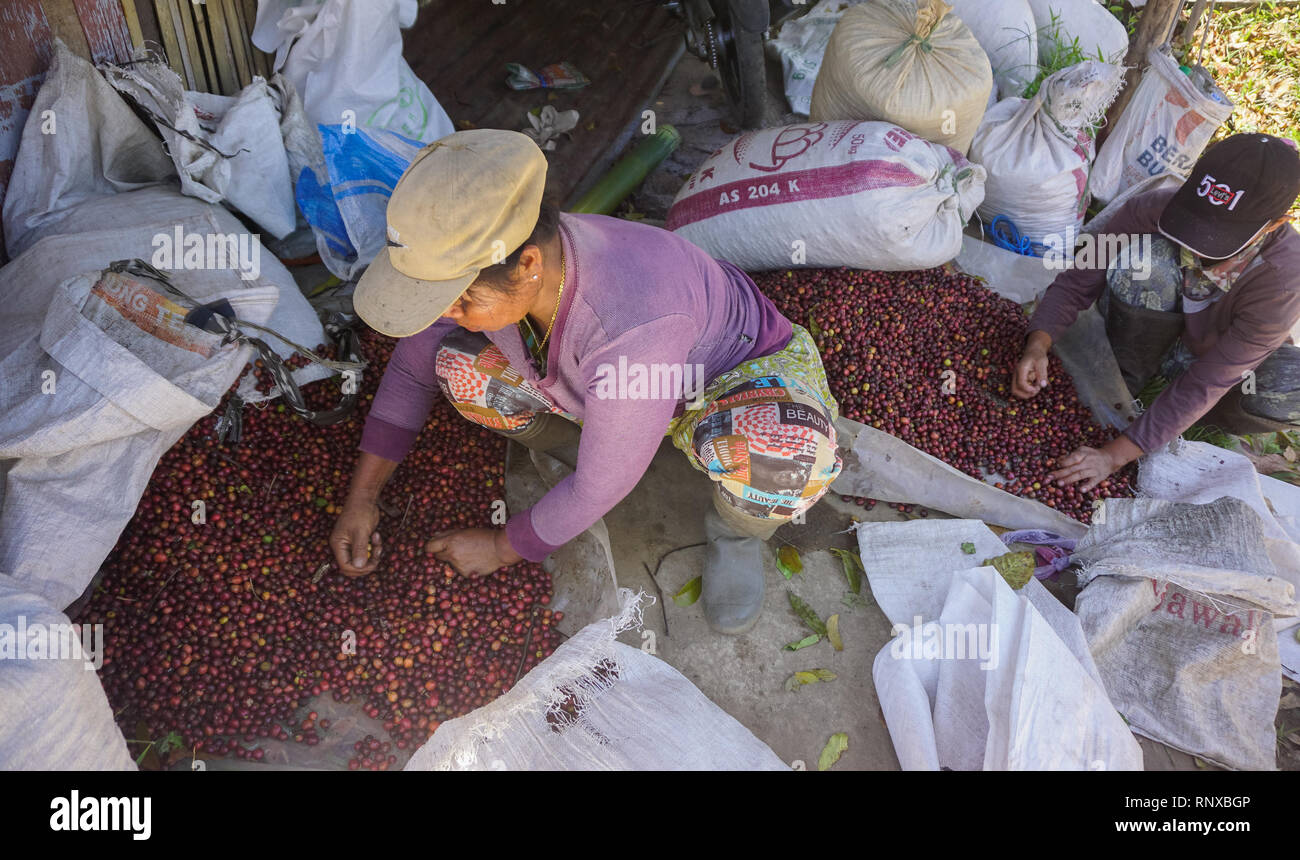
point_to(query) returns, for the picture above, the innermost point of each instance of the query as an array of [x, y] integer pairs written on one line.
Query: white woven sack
[[1006, 31], [868, 195], [596, 704], [92, 401], [81, 141], [1179, 611], [1038, 152], [1164, 129], [801, 46], [980, 676], [53, 712], [344, 57], [907, 62]]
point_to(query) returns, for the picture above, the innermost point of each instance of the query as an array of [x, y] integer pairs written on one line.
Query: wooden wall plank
[[223, 54], [262, 61], [106, 31], [238, 42], [171, 41], [66, 25], [204, 41], [189, 44], [26, 48], [133, 23]]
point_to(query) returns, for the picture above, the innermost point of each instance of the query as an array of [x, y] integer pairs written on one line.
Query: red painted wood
[[105, 29], [26, 48]]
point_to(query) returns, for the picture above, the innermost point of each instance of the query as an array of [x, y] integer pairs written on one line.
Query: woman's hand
[[356, 544], [1031, 371], [473, 552]]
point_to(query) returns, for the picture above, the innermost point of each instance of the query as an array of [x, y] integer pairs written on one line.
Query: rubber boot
[[733, 581]]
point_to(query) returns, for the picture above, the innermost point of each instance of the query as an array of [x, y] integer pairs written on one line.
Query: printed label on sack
[[818, 183], [124, 308]]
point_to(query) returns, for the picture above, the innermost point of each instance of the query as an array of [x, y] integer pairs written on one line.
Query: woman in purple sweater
[[560, 330]]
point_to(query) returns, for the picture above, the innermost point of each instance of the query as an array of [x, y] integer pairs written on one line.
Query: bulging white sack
[[908, 62], [81, 142], [1163, 130], [344, 57], [226, 148], [979, 676], [53, 712], [1039, 151], [868, 195], [1006, 31], [801, 46]]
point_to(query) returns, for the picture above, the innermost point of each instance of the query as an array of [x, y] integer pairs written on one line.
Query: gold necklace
[[539, 351], [558, 297]]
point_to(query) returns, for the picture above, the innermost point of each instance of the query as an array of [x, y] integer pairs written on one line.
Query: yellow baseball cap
[[466, 202]]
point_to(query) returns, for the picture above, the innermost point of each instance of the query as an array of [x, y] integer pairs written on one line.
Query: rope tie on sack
[[928, 15], [1002, 232], [922, 41]]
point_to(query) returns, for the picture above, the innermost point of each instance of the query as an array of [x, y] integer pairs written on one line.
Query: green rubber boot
[[733, 582]]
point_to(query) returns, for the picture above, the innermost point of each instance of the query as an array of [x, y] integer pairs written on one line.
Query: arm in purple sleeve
[[1076, 289], [1257, 329], [406, 394], [619, 439]]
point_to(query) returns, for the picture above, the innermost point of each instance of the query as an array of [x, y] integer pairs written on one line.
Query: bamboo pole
[[133, 24], [1155, 24], [171, 45]]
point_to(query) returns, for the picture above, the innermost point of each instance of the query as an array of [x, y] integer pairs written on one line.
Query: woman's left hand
[[1086, 466], [473, 552]]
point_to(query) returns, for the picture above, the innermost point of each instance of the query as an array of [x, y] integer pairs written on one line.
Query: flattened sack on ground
[[597, 704], [1178, 610]]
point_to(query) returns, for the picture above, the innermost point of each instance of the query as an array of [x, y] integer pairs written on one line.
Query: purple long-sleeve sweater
[[632, 292]]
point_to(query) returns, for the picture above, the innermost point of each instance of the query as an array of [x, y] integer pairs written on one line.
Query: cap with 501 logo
[[1236, 188], [464, 203]]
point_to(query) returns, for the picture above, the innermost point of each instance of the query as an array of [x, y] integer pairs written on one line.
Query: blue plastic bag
[[347, 207]]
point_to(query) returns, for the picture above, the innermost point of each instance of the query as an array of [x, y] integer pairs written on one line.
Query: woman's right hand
[[356, 544], [1031, 371]]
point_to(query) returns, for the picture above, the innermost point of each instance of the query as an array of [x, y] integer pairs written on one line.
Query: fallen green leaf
[[835, 747], [689, 594], [854, 601], [853, 568], [806, 614], [814, 329], [833, 632], [968, 548], [1017, 568], [812, 676], [804, 642], [788, 561]]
